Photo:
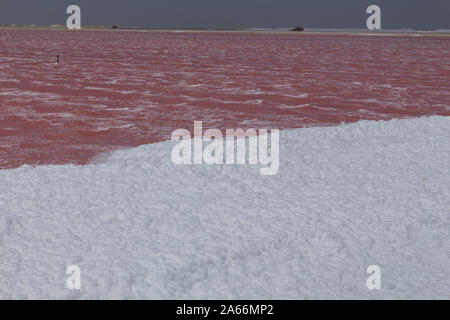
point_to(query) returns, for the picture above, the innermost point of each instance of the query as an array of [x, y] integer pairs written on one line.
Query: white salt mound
[[345, 197]]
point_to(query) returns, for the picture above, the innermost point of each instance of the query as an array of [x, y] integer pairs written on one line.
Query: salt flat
[[125, 89]]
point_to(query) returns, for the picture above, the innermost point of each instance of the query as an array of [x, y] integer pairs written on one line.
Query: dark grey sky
[[416, 14]]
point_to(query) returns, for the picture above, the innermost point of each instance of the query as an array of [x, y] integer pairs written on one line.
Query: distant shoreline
[[235, 31]]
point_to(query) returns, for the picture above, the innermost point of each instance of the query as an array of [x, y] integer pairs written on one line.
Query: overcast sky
[[416, 14]]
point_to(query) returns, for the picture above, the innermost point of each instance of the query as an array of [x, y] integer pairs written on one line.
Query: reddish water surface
[[123, 89]]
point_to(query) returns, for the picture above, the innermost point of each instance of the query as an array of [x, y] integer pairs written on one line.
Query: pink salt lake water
[[123, 89]]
